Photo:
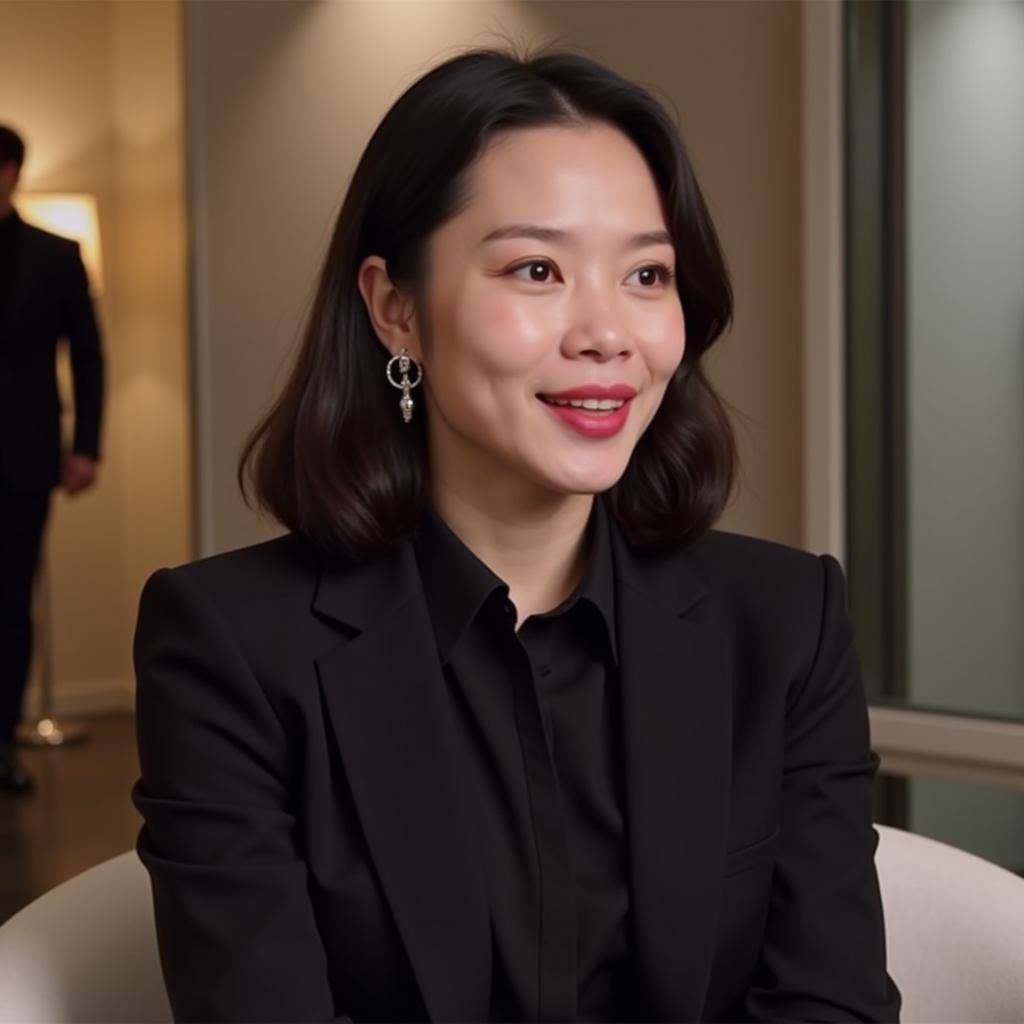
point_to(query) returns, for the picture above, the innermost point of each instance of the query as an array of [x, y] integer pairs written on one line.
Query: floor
[[79, 815]]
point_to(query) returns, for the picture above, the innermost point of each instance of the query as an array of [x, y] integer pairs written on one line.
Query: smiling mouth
[[598, 405], [596, 419]]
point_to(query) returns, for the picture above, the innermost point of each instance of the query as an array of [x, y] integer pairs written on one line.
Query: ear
[[391, 310]]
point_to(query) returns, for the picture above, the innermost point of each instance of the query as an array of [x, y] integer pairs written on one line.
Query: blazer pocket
[[746, 857]]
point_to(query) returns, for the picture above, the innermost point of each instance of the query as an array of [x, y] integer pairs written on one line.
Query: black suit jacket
[[48, 300], [307, 818]]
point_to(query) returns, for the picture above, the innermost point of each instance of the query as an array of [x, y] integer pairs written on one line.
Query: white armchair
[[85, 952], [955, 931]]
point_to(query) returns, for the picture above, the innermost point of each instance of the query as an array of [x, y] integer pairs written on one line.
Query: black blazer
[[48, 299], [307, 825]]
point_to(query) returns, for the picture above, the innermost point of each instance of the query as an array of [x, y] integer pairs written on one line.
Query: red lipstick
[[592, 423]]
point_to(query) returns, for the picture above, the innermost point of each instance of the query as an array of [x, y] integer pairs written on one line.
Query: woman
[[501, 728]]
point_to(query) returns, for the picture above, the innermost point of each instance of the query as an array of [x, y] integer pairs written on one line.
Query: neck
[[534, 540]]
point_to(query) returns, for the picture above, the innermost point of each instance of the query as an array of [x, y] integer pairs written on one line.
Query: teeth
[[594, 404]]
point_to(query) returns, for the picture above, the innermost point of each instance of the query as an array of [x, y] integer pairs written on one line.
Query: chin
[[592, 482]]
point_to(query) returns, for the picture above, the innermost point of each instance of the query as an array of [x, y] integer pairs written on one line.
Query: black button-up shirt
[[539, 717]]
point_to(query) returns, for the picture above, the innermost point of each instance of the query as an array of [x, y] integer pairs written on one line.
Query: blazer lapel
[[386, 699], [676, 694]]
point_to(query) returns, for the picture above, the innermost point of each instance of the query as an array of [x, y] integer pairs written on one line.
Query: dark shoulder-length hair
[[332, 459]]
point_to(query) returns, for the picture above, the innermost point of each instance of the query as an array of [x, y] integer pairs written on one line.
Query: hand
[[78, 473]]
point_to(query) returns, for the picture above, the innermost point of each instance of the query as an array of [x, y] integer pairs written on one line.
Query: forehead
[[589, 175]]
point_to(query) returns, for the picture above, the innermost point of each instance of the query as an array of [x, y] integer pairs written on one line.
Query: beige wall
[[283, 96], [154, 383], [96, 89]]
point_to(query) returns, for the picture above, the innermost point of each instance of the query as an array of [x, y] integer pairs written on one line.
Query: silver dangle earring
[[405, 403]]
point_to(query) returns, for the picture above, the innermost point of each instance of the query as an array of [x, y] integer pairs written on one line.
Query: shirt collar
[[458, 585]]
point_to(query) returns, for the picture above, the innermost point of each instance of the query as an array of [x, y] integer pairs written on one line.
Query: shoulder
[[55, 246], [247, 585], [255, 602], [763, 589], [277, 560], [740, 563]]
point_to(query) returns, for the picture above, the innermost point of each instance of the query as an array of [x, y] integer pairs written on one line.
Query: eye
[[653, 274], [537, 271]]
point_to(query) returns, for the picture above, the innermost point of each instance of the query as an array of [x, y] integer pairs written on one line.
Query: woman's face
[[553, 284]]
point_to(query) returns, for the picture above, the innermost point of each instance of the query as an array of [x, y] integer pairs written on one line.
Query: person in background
[[44, 296]]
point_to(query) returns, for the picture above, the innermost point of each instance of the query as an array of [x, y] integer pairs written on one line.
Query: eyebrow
[[559, 236]]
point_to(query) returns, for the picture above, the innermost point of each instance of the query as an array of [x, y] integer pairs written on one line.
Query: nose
[[596, 329]]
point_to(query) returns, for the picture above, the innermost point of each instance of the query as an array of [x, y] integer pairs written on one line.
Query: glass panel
[[965, 356], [935, 351]]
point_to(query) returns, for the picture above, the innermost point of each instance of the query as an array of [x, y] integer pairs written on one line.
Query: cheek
[[500, 337], [485, 348], [665, 343]]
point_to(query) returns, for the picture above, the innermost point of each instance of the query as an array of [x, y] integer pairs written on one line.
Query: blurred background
[[864, 163]]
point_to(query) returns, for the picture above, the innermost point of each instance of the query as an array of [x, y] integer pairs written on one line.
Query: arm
[[824, 951], [79, 325], [235, 926]]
